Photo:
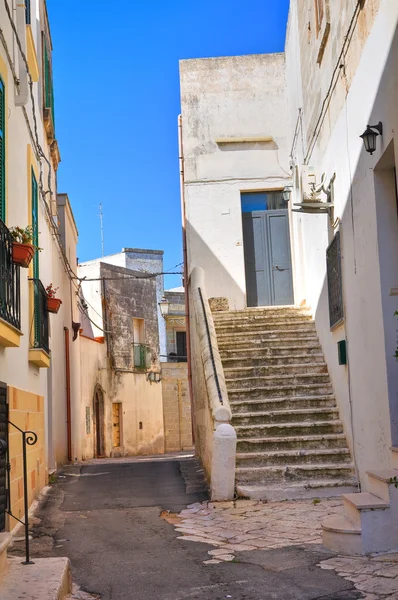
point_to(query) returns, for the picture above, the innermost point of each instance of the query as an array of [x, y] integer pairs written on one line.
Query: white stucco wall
[[366, 207], [230, 97]]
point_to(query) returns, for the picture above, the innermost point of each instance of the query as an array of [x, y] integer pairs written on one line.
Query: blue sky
[[117, 101]]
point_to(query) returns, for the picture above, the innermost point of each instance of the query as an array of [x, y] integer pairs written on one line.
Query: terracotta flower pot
[[22, 254], [53, 305]]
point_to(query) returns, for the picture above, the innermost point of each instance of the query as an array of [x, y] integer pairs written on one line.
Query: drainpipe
[[21, 99], [185, 256], [68, 410]]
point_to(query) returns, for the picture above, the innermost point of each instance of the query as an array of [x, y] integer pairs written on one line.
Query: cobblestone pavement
[[246, 525]]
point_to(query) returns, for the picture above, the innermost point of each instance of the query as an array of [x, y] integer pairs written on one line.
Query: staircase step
[[289, 429], [285, 416], [292, 457], [46, 578], [289, 473], [259, 351], [264, 325], [257, 358], [240, 372], [277, 380], [365, 501], [289, 391], [264, 404], [270, 343], [379, 482], [296, 333], [267, 312], [278, 443], [340, 535], [5, 541], [295, 491]]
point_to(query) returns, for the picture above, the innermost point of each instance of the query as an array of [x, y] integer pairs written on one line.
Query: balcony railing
[[40, 321], [10, 293]]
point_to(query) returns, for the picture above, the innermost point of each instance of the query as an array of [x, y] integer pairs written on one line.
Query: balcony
[[10, 293], [39, 353]]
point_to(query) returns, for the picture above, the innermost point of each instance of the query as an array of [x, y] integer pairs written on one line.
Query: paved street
[[111, 519]]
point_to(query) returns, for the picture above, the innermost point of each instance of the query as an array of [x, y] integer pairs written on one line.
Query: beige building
[[39, 370]]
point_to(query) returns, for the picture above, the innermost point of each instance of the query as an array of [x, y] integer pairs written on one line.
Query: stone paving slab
[[250, 526]]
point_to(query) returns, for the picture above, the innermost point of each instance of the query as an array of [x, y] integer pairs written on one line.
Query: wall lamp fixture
[[154, 377], [164, 305], [369, 136], [287, 192]]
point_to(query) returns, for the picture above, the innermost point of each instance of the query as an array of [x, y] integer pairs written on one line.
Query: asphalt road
[[106, 518]]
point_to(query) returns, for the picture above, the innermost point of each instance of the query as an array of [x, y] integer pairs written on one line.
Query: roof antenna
[[102, 229]]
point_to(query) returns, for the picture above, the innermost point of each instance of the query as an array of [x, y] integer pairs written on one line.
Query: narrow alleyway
[[106, 516]]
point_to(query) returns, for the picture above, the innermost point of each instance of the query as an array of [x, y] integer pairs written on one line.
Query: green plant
[[394, 481], [22, 236], [316, 501], [52, 478]]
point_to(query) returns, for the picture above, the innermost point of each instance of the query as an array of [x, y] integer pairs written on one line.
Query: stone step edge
[[340, 524], [365, 501], [288, 453], [304, 467], [293, 411], [316, 489], [282, 399], [383, 474], [308, 386], [278, 377], [249, 325], [288, 366], [286, 425], [298, 438], [268, 332], [319, 354]]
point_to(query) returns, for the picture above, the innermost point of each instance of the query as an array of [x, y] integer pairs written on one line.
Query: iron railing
[[40, 322], [10, 293]]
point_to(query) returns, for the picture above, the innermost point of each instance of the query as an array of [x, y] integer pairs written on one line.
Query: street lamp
[[164, 307], [286, 192], [369, 136]]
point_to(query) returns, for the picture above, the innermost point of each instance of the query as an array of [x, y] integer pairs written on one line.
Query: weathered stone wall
[[127, 298], [176, 407]]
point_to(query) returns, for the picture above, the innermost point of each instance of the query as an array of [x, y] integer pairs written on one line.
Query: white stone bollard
[[223, 463]]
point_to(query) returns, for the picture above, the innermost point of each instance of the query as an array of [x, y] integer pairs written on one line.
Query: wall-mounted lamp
[[164, 307], [369, 136], [154, 377], [287, 192]]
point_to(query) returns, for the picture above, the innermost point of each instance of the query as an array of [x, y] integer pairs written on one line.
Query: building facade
[[296, 122], [39, 370]]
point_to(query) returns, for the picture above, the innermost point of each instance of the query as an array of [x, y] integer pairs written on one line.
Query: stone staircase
[[291, 442]]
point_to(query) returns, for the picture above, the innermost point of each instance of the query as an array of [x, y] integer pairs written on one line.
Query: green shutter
[[48, 84], [35, 241], [2, 154]]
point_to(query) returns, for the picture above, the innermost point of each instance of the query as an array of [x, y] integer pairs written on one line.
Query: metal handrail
[[211, 348], [29, 438], [10, 293]]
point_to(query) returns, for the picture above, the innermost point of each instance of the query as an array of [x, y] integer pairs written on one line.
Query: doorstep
[[46, 579]]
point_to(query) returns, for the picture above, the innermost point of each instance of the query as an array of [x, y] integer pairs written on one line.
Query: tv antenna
[[102, 229]]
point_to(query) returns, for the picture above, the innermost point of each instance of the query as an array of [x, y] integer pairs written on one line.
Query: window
[[28, 13], [181, 342], [48, 81], [139, 331], [2, 154], [252, 201], [335, 291], [319, 13], [35, 241]]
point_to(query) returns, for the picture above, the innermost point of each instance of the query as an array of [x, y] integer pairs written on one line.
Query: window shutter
[[2, 154], [35, 241], [28, 15], [48, 84]]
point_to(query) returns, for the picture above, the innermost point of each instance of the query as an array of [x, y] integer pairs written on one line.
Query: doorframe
[[290, 239], [99, 422]]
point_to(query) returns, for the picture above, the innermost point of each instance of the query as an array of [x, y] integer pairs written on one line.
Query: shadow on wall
[[219, 282], [367, 389]]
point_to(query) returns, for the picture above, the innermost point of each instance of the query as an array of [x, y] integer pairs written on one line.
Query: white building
[[255, 123]]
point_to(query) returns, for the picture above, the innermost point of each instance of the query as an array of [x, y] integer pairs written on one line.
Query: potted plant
[[53, 303], [22, 248]]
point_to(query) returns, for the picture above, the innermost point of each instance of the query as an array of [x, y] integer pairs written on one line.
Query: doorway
[[266, 240], [99, 418]]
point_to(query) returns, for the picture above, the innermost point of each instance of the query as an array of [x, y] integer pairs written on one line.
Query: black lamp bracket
[[378, 127]]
